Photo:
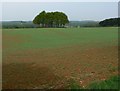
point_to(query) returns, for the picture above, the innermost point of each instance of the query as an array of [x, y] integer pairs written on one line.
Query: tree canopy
[[51, 19], [110, 22]]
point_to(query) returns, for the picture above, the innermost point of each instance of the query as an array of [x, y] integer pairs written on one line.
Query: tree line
[[110, 22], [56, 22], [51, 19]]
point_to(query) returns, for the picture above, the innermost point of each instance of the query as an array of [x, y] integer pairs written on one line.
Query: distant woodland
[[112, 22]]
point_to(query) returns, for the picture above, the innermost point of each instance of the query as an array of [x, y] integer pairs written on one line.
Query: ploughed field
[[52, 58]]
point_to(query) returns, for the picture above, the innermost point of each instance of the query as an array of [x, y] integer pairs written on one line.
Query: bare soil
[[54, 68]]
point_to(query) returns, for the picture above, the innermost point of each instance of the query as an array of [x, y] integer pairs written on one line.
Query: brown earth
[[54, 68]]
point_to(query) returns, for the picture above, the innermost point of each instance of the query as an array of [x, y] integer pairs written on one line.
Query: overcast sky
[[21, 11]]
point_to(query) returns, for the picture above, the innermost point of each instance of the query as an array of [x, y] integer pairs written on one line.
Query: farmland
[[52, 57]]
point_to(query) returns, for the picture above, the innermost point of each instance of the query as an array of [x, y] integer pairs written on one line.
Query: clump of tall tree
[[110, 22], [51, 19]]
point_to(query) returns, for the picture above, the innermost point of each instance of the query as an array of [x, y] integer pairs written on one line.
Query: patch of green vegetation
[[111, 83]]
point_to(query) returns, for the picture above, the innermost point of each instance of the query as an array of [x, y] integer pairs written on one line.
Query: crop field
[[55, 58]]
